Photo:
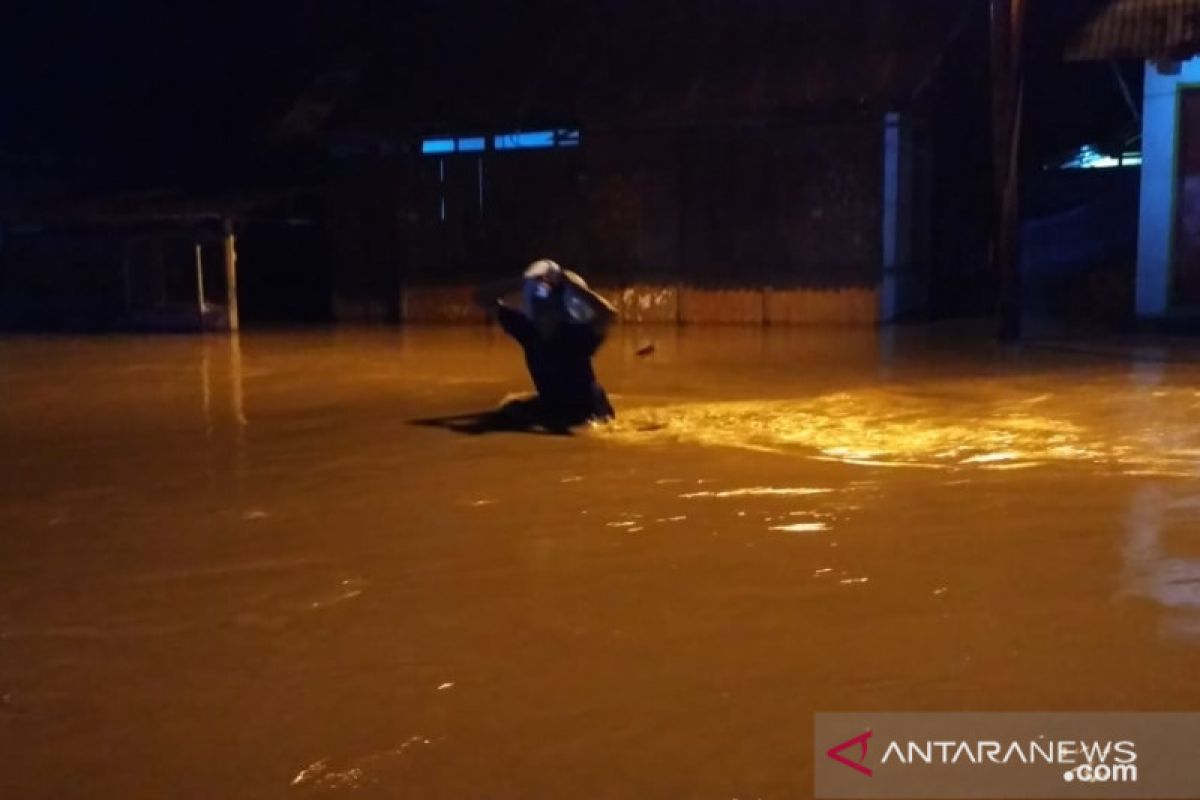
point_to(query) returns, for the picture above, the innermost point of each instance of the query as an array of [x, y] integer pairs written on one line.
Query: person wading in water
[[560, 326]]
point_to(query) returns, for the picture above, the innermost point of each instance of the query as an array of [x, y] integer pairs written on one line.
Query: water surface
[[236, 569]]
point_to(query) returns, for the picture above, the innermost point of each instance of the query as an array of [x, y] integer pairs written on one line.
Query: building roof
[[457, 68], [1143, 29], [168, 207]]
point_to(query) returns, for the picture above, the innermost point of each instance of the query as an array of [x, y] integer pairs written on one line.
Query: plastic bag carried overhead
[[544, 276]]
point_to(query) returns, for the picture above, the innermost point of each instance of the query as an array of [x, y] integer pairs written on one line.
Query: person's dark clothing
[[561, 367]]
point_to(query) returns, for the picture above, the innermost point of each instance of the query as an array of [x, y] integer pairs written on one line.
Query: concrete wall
[[365, 241], [440, 304], [728, 224], [657, 304]]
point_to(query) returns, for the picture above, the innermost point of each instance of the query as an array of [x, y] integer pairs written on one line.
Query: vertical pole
[[892, 262], [200, 304], [231, 295], [1007, 18], [1160, 140], [3, 292], [682, 221], [127, 274], [159, 257]]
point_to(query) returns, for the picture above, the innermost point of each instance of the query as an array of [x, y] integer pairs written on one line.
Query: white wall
[[1160, 130]]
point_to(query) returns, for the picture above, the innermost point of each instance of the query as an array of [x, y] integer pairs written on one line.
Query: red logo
[[859, 741]]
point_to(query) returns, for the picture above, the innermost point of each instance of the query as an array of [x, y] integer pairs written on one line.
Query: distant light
[[524, 141], [1102, 162], [1089, 157], [515, 140], [437, 146]]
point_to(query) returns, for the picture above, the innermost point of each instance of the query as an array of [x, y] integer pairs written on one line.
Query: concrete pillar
[[892, 244], [901, 291], [1156, 228]]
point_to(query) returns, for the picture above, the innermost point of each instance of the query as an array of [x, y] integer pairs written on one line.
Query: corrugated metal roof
[[1149, 29]]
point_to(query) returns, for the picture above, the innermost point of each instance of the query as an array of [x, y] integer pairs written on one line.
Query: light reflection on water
[[1123, 429], [190, 511], [1151, 570]]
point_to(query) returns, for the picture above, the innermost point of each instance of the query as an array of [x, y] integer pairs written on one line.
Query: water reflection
[[801, 527], [232, 376], [206, 390], [384, 558], [357, 772], [1150, 569], [987, 425], [237, 395]]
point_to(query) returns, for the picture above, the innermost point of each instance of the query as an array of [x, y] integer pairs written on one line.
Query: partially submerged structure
[[158, 261], [766, 162], [1166, 35]]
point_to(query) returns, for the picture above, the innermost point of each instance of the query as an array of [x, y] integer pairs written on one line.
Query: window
[[567, 137], [515, 140], [437, 146], [532, 140], [442, 189], [524, 141], [454, 182]]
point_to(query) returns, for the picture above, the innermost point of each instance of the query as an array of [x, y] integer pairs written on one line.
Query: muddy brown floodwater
[[237, 569]]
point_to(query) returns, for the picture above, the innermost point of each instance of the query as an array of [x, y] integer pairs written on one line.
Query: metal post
[[1007, 18], [231, 296], [200, 304], [159, 259], [127, 275]]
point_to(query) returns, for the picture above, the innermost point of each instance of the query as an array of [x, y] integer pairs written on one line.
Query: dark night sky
[[152, 83], [161, 86], [1071, 104]]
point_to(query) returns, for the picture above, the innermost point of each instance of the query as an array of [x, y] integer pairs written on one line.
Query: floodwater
[[238, 569]]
